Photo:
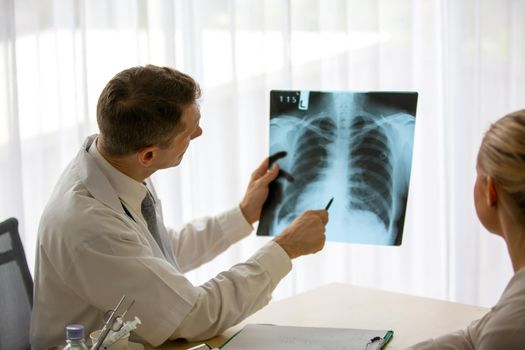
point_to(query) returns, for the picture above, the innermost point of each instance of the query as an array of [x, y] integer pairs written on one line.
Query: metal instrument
[[113, 323]]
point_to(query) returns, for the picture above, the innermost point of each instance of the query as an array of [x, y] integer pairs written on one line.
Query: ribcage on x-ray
[[370, 174], [353, 147], [312, 148]]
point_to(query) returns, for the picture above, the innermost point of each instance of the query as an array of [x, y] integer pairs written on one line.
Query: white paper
[[264, 337]]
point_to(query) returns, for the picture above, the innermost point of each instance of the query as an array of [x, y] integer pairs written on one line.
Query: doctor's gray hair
[[502, 155], [142, 106]]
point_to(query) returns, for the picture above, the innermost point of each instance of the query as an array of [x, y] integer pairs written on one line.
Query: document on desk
[[264, 337]]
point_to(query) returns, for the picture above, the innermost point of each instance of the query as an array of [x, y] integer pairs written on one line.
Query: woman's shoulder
[[515, 290], [500, 327], [509, 312]]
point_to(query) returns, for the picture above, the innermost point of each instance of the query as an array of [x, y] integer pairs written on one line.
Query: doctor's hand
[[257, 191], [305, 235]]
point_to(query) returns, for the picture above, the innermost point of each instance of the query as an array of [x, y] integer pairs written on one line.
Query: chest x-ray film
[[354, 147]]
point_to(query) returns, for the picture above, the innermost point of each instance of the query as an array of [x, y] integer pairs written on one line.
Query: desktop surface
[[337, 305]]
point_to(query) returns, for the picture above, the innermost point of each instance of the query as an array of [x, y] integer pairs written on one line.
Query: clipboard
[[264, 337]]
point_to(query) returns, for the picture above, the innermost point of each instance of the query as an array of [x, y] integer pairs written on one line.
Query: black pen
[[329, 204]]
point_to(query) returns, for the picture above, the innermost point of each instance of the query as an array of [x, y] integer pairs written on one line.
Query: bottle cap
[[75, 332]]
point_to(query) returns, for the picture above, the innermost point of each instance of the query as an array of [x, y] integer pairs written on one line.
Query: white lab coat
[[90, 253]]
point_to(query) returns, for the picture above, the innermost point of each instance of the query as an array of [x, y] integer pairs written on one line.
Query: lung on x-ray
[[354, 147]]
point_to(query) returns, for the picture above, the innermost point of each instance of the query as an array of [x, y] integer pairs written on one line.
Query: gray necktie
[[148, 211]]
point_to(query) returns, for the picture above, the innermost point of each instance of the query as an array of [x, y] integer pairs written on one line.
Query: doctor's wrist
[[248, 214]]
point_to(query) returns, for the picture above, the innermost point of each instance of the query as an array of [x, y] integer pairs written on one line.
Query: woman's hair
[[502, 155], [142, 106]]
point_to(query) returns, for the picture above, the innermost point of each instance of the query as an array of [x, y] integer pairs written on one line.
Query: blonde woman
[[499, 196]]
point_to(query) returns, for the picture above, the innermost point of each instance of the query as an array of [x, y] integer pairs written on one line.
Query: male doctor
[[102, 233]]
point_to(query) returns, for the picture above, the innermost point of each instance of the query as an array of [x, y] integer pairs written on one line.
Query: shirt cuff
[[234, 225], [274, 260]]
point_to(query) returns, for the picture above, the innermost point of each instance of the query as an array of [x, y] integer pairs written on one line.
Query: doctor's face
[[172, 155]]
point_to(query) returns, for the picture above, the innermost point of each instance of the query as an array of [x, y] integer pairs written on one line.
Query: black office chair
[[16, 289]]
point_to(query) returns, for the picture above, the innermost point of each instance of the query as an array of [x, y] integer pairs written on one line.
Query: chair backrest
[[16, 289]]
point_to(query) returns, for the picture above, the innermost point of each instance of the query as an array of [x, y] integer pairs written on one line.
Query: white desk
[[345, 306]]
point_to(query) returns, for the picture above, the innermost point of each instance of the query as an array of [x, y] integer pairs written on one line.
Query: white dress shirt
[[502, 328], [90, 252]]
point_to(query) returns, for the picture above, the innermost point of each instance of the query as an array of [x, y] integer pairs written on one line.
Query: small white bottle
[[75, 337]]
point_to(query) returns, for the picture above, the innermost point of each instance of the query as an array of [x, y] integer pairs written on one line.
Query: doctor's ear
[[145, 156]]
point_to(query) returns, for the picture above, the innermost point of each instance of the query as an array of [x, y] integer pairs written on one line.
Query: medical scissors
[[113, 323], [119, 319]]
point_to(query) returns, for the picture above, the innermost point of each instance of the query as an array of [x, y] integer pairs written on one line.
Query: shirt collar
[[129, 190]]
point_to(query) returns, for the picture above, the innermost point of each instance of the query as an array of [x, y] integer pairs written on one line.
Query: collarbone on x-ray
[[353, 146]]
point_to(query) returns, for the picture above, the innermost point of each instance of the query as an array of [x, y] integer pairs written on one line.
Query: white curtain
[[465, 58]]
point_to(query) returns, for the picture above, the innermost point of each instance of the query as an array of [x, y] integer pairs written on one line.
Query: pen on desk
[[329, 204]]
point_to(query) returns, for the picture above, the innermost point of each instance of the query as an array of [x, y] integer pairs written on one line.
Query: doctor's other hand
[[305, 235], [257, 191]]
